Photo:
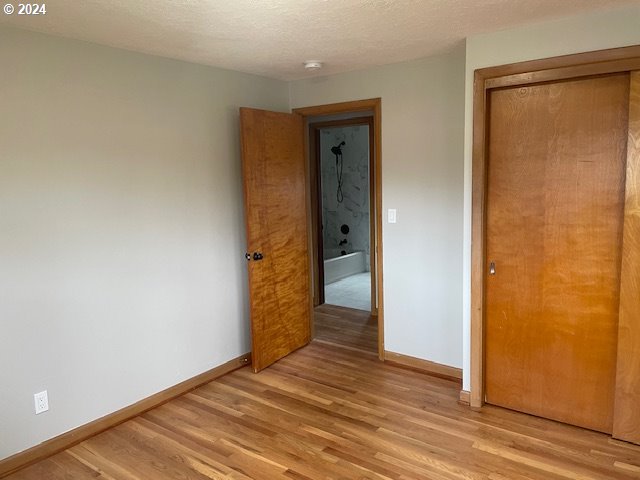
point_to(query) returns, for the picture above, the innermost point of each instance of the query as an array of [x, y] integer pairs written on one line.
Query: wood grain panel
[[626, 420], [478, 213], [276, 218], [587, 63], [327, 412], [564, 73], [373, 200], [529, 72], [557, 154], [317, 245]]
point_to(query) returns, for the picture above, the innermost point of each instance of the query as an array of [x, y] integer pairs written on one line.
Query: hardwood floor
[[346, 327], [330, 412]]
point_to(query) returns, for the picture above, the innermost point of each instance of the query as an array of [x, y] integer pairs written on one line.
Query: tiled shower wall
[[354, 209]]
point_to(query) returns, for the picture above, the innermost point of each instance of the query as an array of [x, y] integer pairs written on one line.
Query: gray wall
[[354, 208], [422, 177], [121, 227]]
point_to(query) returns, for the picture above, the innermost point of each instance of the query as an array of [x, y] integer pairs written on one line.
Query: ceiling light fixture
[[313, 65]]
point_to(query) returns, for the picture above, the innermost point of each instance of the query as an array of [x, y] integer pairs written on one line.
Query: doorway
[[278, 215], [346, 246], [341, 161]]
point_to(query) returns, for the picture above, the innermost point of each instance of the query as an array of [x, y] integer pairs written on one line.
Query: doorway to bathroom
[[354, 326], [341, 165], [278, 190]]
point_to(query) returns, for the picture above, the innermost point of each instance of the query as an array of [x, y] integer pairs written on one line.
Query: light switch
[[391, 215]]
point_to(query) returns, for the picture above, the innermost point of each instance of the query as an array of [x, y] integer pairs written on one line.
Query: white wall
[[422, 177], [582, 33], [121, 227]]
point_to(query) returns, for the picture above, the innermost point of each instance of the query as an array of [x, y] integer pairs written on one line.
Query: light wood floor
[[331, 412], [352, 329]]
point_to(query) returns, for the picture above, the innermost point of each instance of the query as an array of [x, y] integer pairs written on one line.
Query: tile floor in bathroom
[[352, 292]]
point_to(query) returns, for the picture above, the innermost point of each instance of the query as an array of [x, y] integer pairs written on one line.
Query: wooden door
[[555, 202], [626, 421], [277, 243]]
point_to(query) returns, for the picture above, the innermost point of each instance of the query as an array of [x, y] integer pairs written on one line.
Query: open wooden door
[[277, 238]]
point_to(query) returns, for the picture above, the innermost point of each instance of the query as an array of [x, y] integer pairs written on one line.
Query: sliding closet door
[[626, 425], [556, 177]]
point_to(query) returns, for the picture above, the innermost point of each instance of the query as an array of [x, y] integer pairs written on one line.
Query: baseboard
[[432, 368], [465, 397], [62, 442]]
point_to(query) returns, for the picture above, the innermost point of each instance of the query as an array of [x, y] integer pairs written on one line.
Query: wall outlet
[[41, 401]]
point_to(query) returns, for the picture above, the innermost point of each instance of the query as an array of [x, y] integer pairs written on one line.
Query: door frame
[[368, 105], [317, 250], [565, 67]]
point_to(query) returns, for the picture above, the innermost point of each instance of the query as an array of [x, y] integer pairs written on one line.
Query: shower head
[[337, 150]]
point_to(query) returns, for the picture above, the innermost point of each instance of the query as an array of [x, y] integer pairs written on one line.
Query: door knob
[[247, 255], [257, 256], [492, 268]]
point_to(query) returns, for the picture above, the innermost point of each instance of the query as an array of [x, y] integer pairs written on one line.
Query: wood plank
[[478, 214], [557, 154], [317, 247], [373, 208], [558, 64], [378, 251], [626, 421], [327, 412], [77, 435], [336, 108], [346, 327], [426, 366], [564, 73]]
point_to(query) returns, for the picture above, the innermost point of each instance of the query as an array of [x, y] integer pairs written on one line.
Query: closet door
[[556, 177], [626, 424]]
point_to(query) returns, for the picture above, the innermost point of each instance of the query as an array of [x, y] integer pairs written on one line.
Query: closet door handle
[[492, 268]]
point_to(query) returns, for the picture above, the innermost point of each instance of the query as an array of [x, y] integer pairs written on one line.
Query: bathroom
[[346, 228]]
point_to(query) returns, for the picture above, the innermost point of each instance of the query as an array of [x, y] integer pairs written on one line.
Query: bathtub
[[343, 266]]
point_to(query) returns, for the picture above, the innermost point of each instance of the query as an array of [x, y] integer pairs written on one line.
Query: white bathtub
[[344, 266]]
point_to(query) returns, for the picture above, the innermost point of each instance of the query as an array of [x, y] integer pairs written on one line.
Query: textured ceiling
[[274, 37]]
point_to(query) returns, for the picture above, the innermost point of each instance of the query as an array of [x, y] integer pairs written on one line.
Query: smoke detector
[[313, 65]]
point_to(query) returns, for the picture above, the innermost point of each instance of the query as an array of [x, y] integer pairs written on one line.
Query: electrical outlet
[[41, 401]]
